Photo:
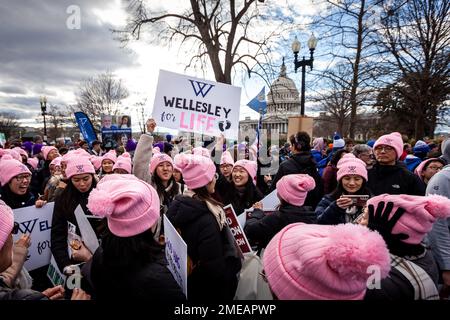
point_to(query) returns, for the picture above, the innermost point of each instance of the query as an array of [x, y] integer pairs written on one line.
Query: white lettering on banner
[[176, 254], [37, 222], [236, 229], [196, 105]]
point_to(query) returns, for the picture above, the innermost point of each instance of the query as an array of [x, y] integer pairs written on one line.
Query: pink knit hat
[[250, 166], [6, 223], [83, 153], [293, 188], [56, 161], [110, 155], [349, 164], [46, 150], [197, 170], [130, 205], [78, 166], [157, 159], [226, 158], [421, 212], [200, 151], [393, 140], [96, 162], [21, 151], [321, 262], [419, 168], [123, 162], [33, 162], [9, 168], [14, 154]]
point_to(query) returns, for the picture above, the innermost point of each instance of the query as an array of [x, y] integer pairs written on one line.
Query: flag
[[86, 128], [259, 103]]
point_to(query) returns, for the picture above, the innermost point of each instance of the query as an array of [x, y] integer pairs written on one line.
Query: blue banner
[[259, 103], [86, 128]]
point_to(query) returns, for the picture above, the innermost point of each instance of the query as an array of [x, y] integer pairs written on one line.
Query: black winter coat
[[261, 228], [211, 250], [328, 212], [61, 216], [394, 180], [16, 201], [302, 162], [150, 280]]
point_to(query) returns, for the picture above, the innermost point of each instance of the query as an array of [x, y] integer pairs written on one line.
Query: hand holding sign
[[151, 125], [24, 241]]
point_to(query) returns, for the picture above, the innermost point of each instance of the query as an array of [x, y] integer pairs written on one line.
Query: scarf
[[215, 209]]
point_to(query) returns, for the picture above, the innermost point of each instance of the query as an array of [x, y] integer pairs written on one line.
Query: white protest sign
[[176, 254], [87, 233], [196, 105], [271, 201], [37, 223]]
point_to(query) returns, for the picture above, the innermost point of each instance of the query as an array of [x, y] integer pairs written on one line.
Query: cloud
[[12, 89]]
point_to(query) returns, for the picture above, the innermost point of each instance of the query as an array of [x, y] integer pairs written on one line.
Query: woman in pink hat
[[213, 263], [53, 182], [428, 168], [48, 153], [343, 205], [403, 221], [80, 182], [291, 190], [108, 161], [129, 259]]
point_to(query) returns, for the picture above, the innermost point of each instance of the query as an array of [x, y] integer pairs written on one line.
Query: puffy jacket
[[394, 179], [261, 228], [213, 254], [151, 280], [302, 162]]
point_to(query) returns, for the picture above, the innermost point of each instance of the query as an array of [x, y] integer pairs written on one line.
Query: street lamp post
[[44, 110], [312, 42]]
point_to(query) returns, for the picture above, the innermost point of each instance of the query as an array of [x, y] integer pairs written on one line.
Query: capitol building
[[282, 102]]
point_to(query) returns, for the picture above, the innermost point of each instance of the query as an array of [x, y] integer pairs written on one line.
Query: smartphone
[[358, 199]]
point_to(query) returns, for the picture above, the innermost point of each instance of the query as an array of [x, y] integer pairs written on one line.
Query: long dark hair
[[202, 194], [250, 194], [123, 251], [70, 196], [339, 191], [168, 195]]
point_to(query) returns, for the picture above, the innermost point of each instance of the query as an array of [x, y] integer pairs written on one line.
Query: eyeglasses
[[23, 177], [15, 228], [435, 168], [385, 148]]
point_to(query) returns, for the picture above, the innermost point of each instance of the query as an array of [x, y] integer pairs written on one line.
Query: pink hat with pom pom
[[78, 166], [200, 151], [226, 158], [123, 162], [9, 168], [320, 262], [421, 212], [130, 205], [293, 188], [14, 154], [348, 165], [197, 170], [46, 150], [110, 155], [96, 162], [6, 223], [33, 162], [250, 166], [158, 158], [56, 161]]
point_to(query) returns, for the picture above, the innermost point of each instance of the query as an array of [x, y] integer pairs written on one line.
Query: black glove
[[379, 221]]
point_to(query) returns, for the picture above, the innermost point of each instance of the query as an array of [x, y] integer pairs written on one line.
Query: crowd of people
[[344, 210]]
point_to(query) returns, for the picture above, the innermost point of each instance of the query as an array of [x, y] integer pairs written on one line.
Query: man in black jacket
[[301, 162], [388, 175]]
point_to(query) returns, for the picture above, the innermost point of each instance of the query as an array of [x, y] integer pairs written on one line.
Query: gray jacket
[[142, 157], [439, 236]]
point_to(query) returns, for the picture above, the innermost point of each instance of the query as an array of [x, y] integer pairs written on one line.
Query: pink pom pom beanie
[[130, 205], [123, 162], [6, 223], [226, 158], [197, 170], [159, 158], [250, 166], [9, 168], [46, 150], [421, 212], [293, 188], [78, 166], [321, 262], [348, 165]]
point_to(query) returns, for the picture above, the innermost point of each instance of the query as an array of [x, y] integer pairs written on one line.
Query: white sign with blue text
[[37, 223], [176, 254], [196, 105]]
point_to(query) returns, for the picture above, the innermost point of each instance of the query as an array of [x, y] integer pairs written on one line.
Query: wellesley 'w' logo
[[201, 87]]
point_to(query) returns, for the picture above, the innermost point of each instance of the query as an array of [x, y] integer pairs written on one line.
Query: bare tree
[[57, 118], [100, 95], [142, 119], [417, 38], [8, 124], [228, 34]]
